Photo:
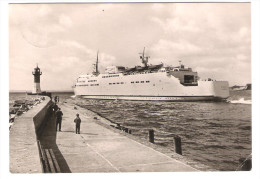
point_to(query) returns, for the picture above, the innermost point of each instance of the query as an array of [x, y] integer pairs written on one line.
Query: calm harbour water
[[217, 134]]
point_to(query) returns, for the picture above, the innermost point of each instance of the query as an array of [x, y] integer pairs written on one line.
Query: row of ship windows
[[131, 82], [89, 85], [88, 81], [140, 82], [116, 83], [110, 76]]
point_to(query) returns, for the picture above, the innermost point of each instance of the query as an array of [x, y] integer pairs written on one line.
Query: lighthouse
[[36, 86]]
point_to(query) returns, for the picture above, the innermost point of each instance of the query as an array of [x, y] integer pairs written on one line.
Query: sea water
[[217, 134]]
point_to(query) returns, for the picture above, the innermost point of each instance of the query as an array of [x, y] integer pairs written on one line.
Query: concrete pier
[[98, 148]]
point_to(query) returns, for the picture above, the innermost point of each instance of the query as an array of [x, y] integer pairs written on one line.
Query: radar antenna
[[144, 58]]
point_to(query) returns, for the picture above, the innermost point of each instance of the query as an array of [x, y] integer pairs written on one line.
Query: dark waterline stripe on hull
[[154, 98], [148, 96]]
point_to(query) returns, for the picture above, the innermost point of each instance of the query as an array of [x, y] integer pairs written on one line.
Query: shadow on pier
[[48, 141]]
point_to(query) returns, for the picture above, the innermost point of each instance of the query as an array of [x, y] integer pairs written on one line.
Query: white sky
[[212, 38]]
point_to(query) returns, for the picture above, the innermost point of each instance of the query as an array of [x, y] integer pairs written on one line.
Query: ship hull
[[148, 87]]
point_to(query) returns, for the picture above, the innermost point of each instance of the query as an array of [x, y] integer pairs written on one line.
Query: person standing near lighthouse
[[36, 87]]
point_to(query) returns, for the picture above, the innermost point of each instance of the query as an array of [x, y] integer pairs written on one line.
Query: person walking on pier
[[77, 121], [59, 115]]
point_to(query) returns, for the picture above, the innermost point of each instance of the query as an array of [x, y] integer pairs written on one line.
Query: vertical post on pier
[[177, 141], [126, 130], [151, 135]]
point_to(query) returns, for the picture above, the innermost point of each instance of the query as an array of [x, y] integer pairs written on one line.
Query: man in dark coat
[[55, 108], [77, 121], [59, 115]]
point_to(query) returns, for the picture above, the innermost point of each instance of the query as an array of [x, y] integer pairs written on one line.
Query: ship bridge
[[185, 74]]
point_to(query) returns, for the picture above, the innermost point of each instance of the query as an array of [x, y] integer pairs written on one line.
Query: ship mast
[[144, 58], [97, 65], [96, 72]]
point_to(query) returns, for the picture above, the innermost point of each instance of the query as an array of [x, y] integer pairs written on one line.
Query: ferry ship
[[149, 82]]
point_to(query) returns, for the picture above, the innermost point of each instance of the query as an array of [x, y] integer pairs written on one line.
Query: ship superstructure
[[149, 82]]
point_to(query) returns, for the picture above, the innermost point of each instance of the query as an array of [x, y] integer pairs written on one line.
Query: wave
[[240, 101]]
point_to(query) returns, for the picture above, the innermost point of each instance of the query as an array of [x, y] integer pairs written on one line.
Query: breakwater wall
[[23, 148]]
